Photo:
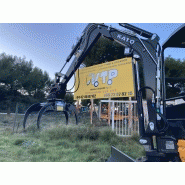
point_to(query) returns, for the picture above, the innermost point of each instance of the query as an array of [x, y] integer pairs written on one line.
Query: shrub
[[55, 133], [32, 129], [115, 141], [71, 133], [19, 141], [37, 150], [91, 157], [65, 144], [94, 149], [92, 134], [80, 133], [135, 137], [83, 147], [5, 121], [107, 135]]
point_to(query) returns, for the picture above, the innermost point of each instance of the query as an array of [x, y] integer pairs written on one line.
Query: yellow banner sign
[[107, 80]]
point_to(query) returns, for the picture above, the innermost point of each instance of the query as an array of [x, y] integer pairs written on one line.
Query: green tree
[[174, 72], [85, 102], [37, 82], [18, 78], [9, 78], [174, 67], [104, 50], [8, 73], [69, 98]]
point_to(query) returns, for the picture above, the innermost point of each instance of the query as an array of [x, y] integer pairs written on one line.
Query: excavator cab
[[173, 94]]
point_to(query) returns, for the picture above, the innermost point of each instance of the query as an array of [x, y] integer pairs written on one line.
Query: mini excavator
[[163, 137]]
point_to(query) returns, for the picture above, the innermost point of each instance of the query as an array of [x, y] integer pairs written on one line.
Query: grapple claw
[[46, 107], [33, 108]]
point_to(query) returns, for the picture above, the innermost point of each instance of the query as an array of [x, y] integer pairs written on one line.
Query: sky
[[49, 44]]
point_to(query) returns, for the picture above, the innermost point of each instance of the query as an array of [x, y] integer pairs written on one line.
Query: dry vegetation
[[57, 142]]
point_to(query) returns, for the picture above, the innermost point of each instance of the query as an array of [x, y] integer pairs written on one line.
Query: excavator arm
[[92, 33], [146, 48]]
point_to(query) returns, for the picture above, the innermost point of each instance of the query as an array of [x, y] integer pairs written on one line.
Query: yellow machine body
[[181, 149]]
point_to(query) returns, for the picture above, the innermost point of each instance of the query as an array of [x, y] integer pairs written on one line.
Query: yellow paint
[[181, 149], [107, 80], [59, 108]]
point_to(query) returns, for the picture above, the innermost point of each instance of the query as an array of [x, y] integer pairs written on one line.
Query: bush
[[80, 133], [5, 121], [72, 133], [32, 129], [56, 133], [94, 149], [19, 141], [36, 151], [107, 135], [92, 134], [91, 157], [65, 144], [82, 147], [135, 137], [115, 141]]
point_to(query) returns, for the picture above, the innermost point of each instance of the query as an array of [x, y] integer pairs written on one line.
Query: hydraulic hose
[[68, 91], [140, 110], [89, 31]]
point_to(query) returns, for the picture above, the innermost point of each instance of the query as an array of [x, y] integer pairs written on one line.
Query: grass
[[61, 143], [7, 121]]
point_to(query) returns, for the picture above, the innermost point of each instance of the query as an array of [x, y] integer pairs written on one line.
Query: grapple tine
[[32, 108], [41, 112]]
